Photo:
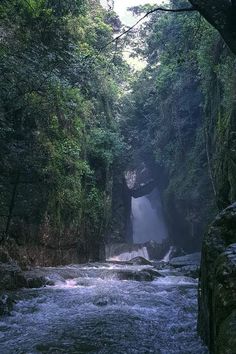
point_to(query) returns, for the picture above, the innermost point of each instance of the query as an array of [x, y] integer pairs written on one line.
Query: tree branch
[[181, 10]]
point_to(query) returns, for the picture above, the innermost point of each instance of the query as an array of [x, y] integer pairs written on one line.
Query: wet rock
[[11, 276], [139, 275], [37, 282], [139, 261], [192, 259], [188, 265], [190, 271], [157, 251], [6, 304], [217, 293]]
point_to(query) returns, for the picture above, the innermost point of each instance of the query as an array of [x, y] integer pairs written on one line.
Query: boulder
[[6, 304], [192, 259], [139, 261], [11, 276], [139, 275], [37, 282], [217, 288]]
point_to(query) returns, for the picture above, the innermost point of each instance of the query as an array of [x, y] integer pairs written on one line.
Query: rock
[[4, 256], [139, 261], [157, 251], [139, 275], [192, 259], [217, 292], [37, 282], [188, 265], [6, 305], [11, 276], [190, 271]]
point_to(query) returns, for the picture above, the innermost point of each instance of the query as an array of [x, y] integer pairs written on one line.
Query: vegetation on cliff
[[59, 139], [64, 138], [181, 116]]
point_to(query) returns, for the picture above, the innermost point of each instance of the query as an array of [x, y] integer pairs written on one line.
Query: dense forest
[[59, 138], [78, 121], [180, 115]]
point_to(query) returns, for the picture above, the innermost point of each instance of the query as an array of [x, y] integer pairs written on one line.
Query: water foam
[[127, 256]]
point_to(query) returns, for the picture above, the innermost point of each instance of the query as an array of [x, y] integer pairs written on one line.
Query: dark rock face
[[217, 289]]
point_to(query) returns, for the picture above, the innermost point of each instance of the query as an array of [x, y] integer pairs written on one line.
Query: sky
[[122, 5]]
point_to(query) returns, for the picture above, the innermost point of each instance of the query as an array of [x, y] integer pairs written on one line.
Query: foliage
[[59, 139], [165, 120]]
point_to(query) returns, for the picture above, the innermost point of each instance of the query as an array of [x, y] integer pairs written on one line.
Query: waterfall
[[147, 219], [166, 258]]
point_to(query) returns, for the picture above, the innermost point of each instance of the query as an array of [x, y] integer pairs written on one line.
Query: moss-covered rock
[[217, 289]]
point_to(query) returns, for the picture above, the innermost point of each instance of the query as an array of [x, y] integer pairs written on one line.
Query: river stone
[[37, 282], [139, 261], [138, 275], [217, 293]]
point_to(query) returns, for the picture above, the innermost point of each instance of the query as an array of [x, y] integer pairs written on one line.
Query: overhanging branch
[[162, 9]]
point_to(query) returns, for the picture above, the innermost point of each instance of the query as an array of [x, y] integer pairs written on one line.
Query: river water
[[91, 310]]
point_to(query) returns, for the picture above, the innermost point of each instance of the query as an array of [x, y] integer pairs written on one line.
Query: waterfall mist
[[147, 219]]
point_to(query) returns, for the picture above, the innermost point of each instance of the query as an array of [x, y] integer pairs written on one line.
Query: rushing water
[[95, 312], [127, 256]]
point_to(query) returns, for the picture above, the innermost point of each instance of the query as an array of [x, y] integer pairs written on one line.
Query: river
[[90, 309]]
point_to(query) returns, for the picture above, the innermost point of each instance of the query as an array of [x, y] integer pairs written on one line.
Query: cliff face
[[217, 288], [220, 124]]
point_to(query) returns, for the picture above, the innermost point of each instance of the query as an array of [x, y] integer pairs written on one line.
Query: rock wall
[[217, 287]]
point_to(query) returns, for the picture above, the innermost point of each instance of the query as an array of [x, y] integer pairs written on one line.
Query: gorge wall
[[217, 288]]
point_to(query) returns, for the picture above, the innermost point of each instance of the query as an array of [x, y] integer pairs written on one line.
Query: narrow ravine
[[89, 309]]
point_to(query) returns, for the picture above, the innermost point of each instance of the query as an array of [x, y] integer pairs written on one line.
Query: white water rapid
[[127, 256], [104, 309]]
